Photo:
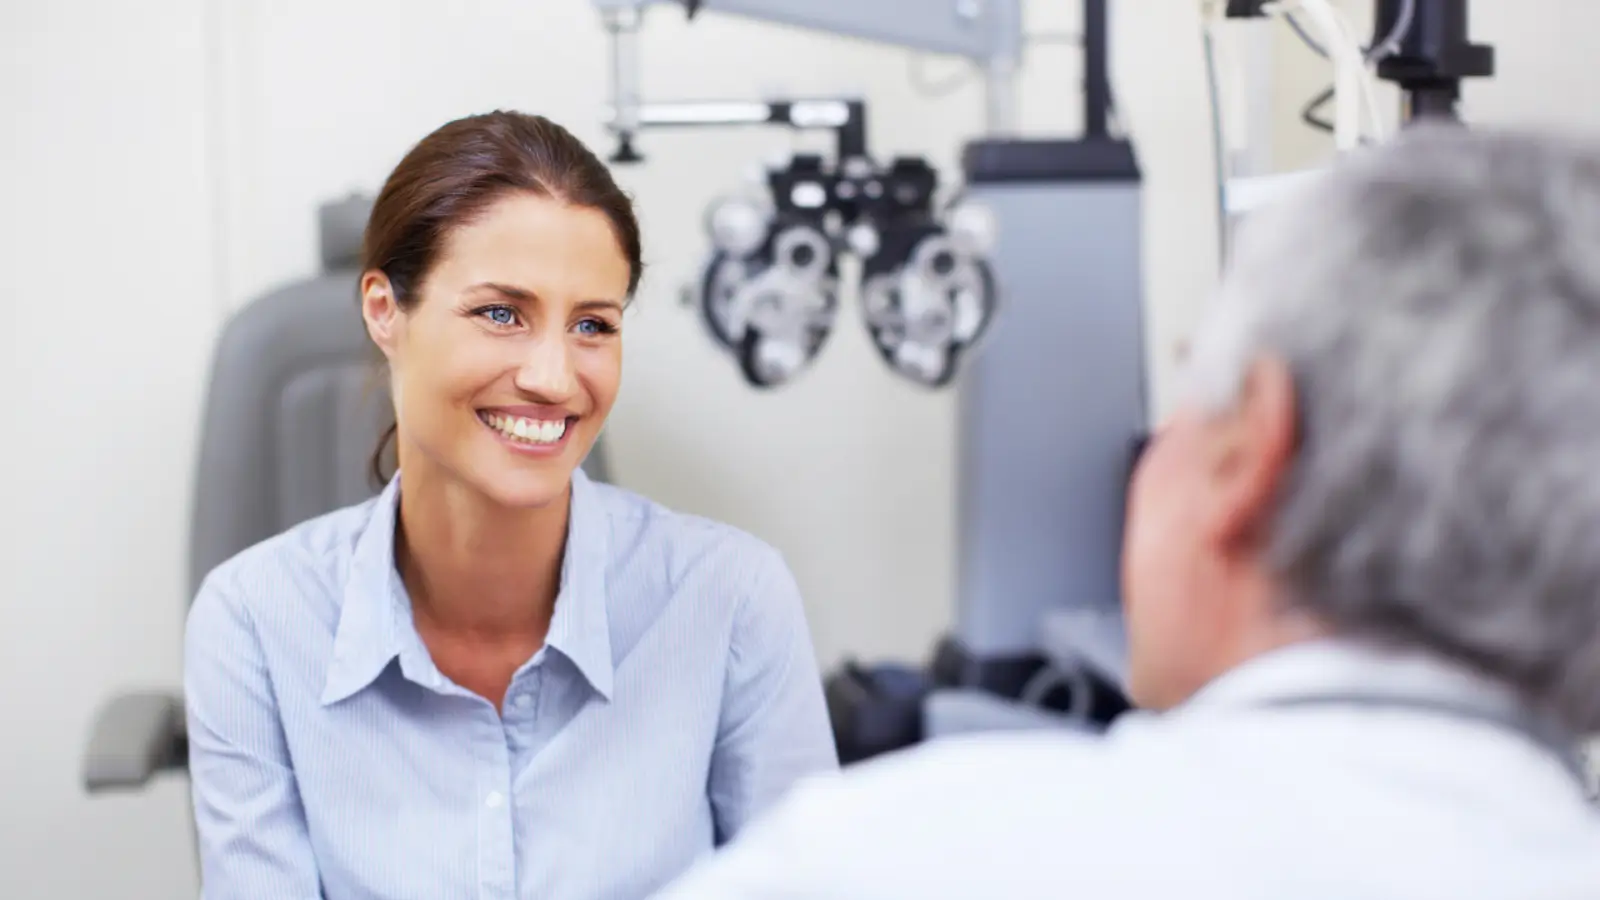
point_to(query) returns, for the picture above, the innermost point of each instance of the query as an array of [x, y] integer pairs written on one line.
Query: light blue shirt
[[676, 698]]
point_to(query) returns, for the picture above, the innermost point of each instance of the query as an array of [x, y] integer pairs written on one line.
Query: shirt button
[[522, 701], [494, 800]]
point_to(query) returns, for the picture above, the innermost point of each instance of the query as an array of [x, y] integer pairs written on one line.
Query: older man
[[1362, 578]]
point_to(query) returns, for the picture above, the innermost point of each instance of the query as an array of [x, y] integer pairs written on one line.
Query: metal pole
[[1096, 75], [1000, 97], [1000, 65], [623, 25]]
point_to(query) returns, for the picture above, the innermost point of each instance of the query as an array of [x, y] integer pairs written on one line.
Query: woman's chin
[[517, 484], [528, 490]]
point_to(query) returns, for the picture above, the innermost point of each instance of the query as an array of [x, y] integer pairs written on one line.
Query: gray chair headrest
[[341, 225]]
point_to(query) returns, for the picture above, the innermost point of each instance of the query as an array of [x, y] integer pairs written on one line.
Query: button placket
[[522, 708], [497, 852]]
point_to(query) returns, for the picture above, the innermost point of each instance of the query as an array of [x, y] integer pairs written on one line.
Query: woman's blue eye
[[501, 315], [593, 327]]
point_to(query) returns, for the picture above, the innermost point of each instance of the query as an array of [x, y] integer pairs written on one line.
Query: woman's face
[[507, 365]]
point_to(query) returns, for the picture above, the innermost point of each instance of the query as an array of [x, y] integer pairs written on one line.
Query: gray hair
[[1438, 303]]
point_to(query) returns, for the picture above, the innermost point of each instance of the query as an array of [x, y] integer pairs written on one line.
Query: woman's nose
[[547, 372]]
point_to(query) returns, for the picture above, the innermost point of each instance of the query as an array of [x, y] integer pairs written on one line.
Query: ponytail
[[379, 478]]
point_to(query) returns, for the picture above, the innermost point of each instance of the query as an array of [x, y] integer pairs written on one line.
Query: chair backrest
[[294, 407]]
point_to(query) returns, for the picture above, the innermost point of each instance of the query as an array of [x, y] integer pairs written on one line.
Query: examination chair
[[292, 413]]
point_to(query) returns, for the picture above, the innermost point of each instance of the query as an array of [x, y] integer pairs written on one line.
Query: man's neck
[[474, 568], [1271, 635]]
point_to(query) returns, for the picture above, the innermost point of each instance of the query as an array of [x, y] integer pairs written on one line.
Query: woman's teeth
[[528, 431]]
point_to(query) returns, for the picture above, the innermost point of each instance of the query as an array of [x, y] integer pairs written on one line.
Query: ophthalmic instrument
[[1024, 296]]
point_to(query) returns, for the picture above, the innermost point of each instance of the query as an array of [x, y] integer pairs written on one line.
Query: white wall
[[861, 504], [106, 264], [163, 164], [163, 160]]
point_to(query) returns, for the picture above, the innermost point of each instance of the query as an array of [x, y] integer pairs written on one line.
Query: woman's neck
[[475, 569]]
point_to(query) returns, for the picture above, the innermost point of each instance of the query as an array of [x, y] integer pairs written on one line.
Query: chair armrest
[[134, 737]]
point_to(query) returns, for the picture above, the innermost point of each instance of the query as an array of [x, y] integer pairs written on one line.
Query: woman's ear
[[381, 311]]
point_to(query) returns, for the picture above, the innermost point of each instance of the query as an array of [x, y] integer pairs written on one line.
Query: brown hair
[[456, 173]]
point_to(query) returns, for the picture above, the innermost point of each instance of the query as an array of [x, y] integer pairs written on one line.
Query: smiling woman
[[499, 679], [521, 230]]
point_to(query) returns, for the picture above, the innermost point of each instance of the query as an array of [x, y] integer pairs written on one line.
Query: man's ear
[[381, 311], [1254, 447]]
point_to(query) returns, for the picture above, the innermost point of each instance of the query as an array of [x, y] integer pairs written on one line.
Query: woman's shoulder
[[687, 548], [304, 561]]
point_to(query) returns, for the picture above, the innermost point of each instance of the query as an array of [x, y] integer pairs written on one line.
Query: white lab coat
[[1223, 798]]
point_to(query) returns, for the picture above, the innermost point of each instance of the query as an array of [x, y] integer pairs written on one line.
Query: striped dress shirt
[[676, 697]]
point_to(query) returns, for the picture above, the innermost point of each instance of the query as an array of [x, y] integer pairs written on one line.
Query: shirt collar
[[367, 638], [374, 619], [1342, 666], [581, 628]]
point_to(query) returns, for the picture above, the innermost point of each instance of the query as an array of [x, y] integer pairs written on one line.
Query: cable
[[1309, 115], [1355, 84], [1369, 79], [1314, 45], [1218, 147], [1389, 46], [1076, 680]]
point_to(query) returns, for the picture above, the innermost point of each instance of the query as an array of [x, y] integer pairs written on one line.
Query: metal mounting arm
[[980, 30], [989, 32], [846, 118]]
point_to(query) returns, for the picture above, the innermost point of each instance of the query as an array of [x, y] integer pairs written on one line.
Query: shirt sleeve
[[249, 820], [830, 837], [769, 861], [774, 728]]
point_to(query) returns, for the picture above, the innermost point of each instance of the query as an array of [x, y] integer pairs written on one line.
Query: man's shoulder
[[974, 757], [1017, 814], [984, 757], [985, 815], [1173, 805], [946, 790]]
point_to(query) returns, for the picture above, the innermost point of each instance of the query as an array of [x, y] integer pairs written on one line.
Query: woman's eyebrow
[[510, 292]]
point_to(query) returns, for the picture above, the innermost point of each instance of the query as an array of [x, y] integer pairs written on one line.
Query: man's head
[[1391, 429]]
